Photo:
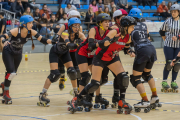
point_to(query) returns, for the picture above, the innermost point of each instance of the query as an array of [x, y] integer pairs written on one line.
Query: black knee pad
[[85, 78], [176, 67], [123, 80], [147, 76], [104, 80], [93, 86], [168, 66], [78, 72], [61, 70], [54, 75], [135, 80], [72, 74]]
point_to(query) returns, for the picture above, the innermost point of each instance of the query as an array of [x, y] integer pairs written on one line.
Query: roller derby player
[[145, 58], [12, 51], [60, 50]]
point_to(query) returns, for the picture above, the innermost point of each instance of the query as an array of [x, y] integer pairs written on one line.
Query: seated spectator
[[37, 18], [142, 2], [107, 2], [53, 23], [163, 10], [175, 2], [69, 8], [33, 3], [17, 7], [111, 5], [106, 10], [44, 10], [99, 11], [169, 6], [100, 4], [5, 5], [45, 27], [26, 4], [90, 17], [111, 13], [28, 12], [94, 6], [123, 4], [63, 20], [59, 13], [65, 2], [76, 3], [2, 23]]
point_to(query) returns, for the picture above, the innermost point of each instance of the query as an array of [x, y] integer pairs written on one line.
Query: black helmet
[[128, 21], [103, 16]]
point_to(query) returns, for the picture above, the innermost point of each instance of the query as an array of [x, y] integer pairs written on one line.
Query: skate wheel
[[80, 109], [97, 106], [152, 106], [127, 112], [159, 105], [87, 110], [176, 91], [65, 79], [68, 102], [3, 101], [103, 107], [120, 111], [44, 104], [137, 109], [165, 91], [69, 108], [173, 91], [162, 90], [146, 110], [38, 104], [113, 105], [72, 111]]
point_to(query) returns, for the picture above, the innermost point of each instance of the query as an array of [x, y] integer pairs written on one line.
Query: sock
[[6, 88], [83, 92], [122, 94], [154, 93], [116, 92], [44, 90], [144, 96]]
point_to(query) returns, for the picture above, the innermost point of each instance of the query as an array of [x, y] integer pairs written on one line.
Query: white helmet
[[73, 13], [117, 13], [175, 7]]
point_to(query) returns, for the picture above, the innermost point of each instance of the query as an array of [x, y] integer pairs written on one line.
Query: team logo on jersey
[[143, 27], [120, 43]]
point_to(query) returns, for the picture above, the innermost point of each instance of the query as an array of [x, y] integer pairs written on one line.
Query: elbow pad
[[72, 46], [101, 43], [44, 40], [162, 33], [91, 44]]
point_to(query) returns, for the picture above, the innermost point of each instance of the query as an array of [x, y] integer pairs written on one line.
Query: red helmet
[[123, 12]]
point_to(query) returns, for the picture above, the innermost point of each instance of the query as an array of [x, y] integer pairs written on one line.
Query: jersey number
[[142, 35]]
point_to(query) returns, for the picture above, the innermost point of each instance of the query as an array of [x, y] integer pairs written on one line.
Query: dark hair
[[92, 3], [2, 13], [53, 15], [64, 14], [36, 8], [44, 5], [68, 4]]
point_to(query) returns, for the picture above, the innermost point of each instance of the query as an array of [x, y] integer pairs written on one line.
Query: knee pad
[[104, 80], [147, 76], [93, 86], [176, 67], [85, 78], [135, 80], [10, 76], [71, 72], [168, 66], [61, 70], [54, 75], [123, 80], [78, 72]]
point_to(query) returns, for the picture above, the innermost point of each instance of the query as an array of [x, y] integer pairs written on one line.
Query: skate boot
[[142, 105], [2, 86], [101, 101], [127, 107], [6, 97], [154, 102], [115, 100], [73, 105], [165, 87], [44, 101], [174, 87], [61, 82]]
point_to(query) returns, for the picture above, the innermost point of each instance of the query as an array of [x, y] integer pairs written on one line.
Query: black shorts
[[82, 59], [140, 67], [98, 62], [53, 56]]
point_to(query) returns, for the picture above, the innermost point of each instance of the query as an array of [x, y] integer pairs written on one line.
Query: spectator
[[45, 27], [17, 7], [123, 4], [111, 13], [99, 11], [65, 2], [100, 4], [26, 4], [63, 20], [175, 2], [76, 3], [107, 2], [33, 3], [106, 10], [59, 13], [37, 18], [69, 8], [5, 5], [53, 24], [2, 24], [143, 2], [111, 5], [90, 17], [44, 10], [169, 6], [94, 6], [163, 10], [28, 12]]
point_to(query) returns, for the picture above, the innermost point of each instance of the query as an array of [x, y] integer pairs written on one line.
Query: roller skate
[[154, 102], [6, 97], [115, 100], [165, 87], [61, 82], [142, 105], [101, 101], [2, 86], [122, 104], [44, 101], [174, 87], [73, 105]]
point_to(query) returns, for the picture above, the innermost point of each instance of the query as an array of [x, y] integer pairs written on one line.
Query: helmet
[[135, 12], [72, 21], [103, 16], [123, 12], [117, 13], [73, 13], [25, 19], [174, 7], [128, 21]]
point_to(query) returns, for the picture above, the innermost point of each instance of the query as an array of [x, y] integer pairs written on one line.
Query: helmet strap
[[101, 27], [26, 28]]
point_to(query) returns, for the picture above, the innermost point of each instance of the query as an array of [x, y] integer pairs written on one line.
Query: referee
[[169, 31]]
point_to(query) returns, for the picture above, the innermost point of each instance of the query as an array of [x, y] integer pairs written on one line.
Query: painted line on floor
[[28, 117]]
